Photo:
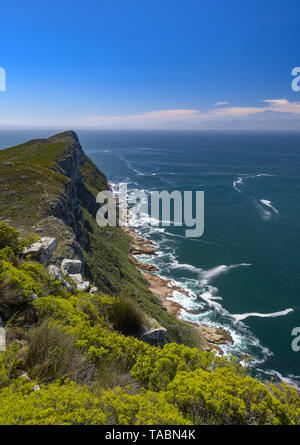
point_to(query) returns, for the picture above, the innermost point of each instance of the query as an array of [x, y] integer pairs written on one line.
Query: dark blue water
[[248, 259]]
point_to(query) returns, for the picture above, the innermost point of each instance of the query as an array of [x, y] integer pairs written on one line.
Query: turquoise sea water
[[248, 259]]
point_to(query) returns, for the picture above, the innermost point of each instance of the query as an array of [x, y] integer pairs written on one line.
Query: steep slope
[[48, 187]]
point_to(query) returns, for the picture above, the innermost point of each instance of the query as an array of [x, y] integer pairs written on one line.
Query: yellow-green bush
[[8, 365], [54, 404], [24, 279], [158, 367], [146, 408], [52, 355], [8, 236], [224, 397]]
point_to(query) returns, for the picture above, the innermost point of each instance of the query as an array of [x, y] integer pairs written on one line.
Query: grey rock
[[94, 290], [25, 376], [36, 388], [71, 267], [80, 283], [2, 340], [41, 250], [155, 334], [54, 272]]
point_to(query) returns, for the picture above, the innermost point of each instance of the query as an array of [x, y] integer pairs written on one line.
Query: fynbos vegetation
[[76, 356]]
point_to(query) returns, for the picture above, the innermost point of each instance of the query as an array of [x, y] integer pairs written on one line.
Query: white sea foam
[[175, 235], [176, 265], [264, 213], [240, 180], [269, 204], [235, 184], [239, 317], [290, 380], [208, 275]]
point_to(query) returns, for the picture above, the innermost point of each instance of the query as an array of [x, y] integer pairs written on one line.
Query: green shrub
[[126, 317], [8, 236], [8, 365], [25, 279], [55, 404], [223, 397], [53, 355], [146, 408], [98, 340], [61, 309], [158, 367]]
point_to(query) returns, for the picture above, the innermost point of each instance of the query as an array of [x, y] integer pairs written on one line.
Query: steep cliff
[[49, 187]]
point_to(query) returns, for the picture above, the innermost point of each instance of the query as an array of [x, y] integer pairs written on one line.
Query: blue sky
[[150, 64]]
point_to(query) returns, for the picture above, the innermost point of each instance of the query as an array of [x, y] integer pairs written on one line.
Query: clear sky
[[150, 64]]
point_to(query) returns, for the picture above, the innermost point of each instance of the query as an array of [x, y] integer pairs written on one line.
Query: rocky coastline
[[164, 289]]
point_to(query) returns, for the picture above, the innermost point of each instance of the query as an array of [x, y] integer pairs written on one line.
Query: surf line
[[239, 317]]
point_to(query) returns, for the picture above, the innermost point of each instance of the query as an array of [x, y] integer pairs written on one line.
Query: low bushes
[[224, 397], [145, 408], [53, 355], [81, 339], [54, 404], [8, 236], [126, 317]]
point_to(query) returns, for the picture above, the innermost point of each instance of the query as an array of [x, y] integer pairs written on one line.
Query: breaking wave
[[239, 317]]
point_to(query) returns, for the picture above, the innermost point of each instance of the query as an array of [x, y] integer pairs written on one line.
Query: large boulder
[[71, 267], [2, 339], [79, 282], [41, 250], [155, 334], [55, 272]]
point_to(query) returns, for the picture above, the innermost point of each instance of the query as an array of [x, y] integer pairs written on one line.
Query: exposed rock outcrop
[[155, 336], [163, 290], [69, 266], [79, 282], [41, 250], [143, 247], [74, 269], [55, 272], [218, 336], [144, 266]]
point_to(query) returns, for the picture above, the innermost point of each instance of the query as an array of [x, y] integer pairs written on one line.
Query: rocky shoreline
[[164, 289]]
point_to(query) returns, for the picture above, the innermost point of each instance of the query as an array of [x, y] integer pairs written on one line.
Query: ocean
[[243, 273]]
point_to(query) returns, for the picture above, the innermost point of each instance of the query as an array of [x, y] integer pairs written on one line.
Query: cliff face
[[49, 187], [58, 199], [75, 196]]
